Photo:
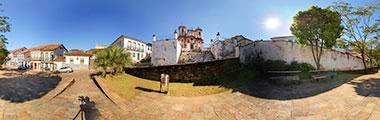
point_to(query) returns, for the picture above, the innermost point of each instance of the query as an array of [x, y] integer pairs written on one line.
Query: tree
[[376, 55], [341, 44], [114, 58], [318, 28], [370, 51], [5, 26], [359, 26]]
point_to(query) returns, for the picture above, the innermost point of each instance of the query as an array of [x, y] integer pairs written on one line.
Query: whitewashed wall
[[290, 51], [216, 49], [76, 63], [77, 59], [165, 52]]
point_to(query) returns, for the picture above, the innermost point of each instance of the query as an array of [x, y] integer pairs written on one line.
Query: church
[[189, 39]]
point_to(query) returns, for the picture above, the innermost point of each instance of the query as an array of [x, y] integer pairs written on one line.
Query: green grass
[[128, 86], [125, 86]]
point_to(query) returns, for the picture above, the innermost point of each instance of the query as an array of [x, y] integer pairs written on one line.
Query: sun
[[272, 23]]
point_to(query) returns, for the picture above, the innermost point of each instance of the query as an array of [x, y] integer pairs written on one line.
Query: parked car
[[64, 70], [21, 67]]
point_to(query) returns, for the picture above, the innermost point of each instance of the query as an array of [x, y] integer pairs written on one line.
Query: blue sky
[[80, 24]]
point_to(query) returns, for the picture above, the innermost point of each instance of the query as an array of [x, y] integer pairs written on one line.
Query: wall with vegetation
[[290, 51]]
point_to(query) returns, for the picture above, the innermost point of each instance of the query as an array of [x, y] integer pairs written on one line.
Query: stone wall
[[195, 56], [188, 72], [290, 51]]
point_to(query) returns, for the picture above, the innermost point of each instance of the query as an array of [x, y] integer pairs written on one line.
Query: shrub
[[304, 67], [261, 66], [113, 57]]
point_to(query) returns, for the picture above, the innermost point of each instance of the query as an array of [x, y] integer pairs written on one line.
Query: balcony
[[48, 59], [134, 49]]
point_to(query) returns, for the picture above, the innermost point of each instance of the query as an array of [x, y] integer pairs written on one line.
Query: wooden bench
[[330, 75], [285, 77]]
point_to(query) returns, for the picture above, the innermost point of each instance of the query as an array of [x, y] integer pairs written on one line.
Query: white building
[[165, 52], [228, 48], [17, 57], [77, 59], [149, 48], [59, 62], [284, 38], [42, 57], [137, 48]]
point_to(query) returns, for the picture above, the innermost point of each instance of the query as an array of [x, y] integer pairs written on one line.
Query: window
[[134, 45], [46, 56], [81, 60], [71, 60], [129, 44], [133, 55]]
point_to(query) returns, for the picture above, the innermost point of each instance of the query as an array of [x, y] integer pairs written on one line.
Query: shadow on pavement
[[27, 87], [367, 87], [263, 88], [87, 110]]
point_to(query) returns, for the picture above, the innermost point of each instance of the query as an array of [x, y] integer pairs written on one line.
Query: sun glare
[[272, 23]]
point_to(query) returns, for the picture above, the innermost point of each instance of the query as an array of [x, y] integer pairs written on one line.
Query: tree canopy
[[318, 28], [360, 27], [5, 26], [113, 58]]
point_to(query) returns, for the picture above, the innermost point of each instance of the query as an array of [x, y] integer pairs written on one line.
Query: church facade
[[190, 39]]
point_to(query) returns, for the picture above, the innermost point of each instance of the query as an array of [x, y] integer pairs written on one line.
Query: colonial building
[[77, 59], [59, 62], [17, 57], [229, 47], [185, 47], [149, 49], [137, 48], [42, 57], [190, 39]]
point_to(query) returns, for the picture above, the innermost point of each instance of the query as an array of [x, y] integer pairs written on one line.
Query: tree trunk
[[319, 55], [363, 60], [314, 57]]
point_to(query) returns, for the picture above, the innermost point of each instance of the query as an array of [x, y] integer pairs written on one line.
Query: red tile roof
[[19, 51], [47, 47], [77, 53]]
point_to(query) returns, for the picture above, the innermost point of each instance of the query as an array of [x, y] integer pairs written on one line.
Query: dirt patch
[[21, 87]]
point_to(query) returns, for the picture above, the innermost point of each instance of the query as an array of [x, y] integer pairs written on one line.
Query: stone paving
[[65, 105], [357, 99]]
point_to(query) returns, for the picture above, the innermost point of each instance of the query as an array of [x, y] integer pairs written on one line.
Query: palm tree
[[114, 58]]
